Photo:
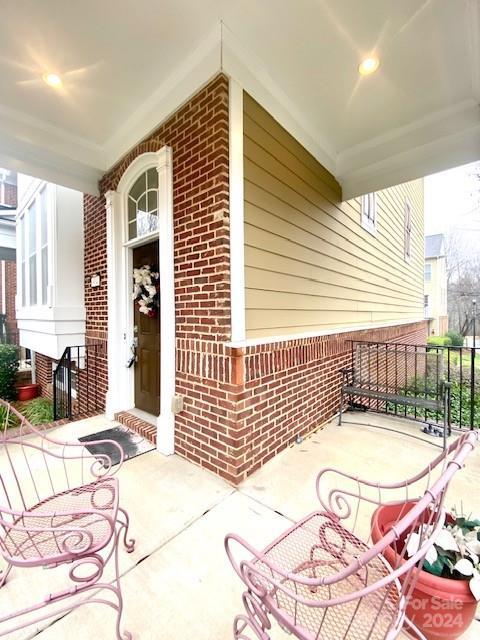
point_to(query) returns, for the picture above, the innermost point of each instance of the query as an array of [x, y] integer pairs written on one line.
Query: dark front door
[[147, 332]]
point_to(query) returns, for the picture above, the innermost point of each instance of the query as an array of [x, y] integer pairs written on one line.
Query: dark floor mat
[[132, 444]]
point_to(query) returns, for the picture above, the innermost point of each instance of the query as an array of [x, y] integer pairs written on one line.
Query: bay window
[[33, 250]]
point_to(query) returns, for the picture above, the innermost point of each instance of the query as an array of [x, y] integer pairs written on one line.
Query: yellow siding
[[309, 263]]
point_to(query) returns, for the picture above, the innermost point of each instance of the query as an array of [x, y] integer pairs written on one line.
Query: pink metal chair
[[320, 580], [59, 505]]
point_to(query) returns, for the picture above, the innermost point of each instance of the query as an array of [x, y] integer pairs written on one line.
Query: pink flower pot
[[441, 608]]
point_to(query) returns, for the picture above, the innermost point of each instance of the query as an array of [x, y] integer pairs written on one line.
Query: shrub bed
[[8, 371]]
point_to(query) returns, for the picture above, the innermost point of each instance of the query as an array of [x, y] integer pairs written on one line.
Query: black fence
[[420, 372], [75, 382], [8, 336]]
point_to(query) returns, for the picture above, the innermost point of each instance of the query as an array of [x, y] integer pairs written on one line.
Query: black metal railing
[[420, 371], [8, 336], [75, 382]]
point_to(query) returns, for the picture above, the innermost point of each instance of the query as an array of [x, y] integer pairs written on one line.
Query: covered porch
[[178, 582]]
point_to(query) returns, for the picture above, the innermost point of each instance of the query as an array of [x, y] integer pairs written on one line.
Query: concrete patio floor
[[178, 582]]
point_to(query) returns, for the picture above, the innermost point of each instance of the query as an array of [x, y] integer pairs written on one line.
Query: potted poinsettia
[[455, 553], [447, 591]]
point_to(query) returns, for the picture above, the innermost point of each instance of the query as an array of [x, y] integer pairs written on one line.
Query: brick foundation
[[293, 387], [43, 374]]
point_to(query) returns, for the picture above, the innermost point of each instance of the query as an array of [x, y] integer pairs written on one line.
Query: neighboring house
[[8, 278], [50, 249], [435, 276], [265, 274]]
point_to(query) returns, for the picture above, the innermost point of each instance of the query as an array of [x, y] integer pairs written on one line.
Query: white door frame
[[120, 395]]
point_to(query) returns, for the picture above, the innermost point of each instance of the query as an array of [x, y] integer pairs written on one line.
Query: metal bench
[[382, 373]]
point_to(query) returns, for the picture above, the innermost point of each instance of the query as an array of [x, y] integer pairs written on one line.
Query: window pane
[[132, 229], [31, 229], [32, 278], [24, 285], [43, 216], [146, 223], [152, 178], [369, 210], [152, 201], [142, 203], [139, 187], [132, 209], [44, 274]]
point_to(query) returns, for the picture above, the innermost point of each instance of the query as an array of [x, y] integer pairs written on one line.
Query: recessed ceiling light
[[53, 80], [368, 66]]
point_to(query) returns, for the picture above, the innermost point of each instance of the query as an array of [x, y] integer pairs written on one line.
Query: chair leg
[[255, 621], [4, 575], [129, 544], [242, 624], [126, 635]]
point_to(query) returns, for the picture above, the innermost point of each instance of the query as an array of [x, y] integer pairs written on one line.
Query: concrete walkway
[[178, 582]]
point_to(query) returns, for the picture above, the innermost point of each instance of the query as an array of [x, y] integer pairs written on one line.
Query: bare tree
[[463, 278]]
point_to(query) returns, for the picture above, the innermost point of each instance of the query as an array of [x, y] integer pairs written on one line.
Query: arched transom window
[[143, 205]]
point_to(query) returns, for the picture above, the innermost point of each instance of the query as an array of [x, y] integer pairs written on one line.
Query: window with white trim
[[428, 272], [33, 249], [143, 205], [408, 231], [369, 212]]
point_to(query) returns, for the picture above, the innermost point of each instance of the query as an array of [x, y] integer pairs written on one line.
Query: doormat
[[133, 445]]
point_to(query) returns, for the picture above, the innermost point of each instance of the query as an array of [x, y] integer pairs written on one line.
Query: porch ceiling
[[125, 70]]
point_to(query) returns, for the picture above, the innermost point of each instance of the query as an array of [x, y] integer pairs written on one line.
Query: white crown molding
[[415, 162], [251, 73], [184, 81], [412, 131], [442, 140], [28, 155]]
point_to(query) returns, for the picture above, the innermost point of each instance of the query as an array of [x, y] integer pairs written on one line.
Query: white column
[[166, 419], [116, 341], [237, 246]]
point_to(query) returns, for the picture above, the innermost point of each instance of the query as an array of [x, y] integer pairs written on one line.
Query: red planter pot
[[441, 608], [28, 391]]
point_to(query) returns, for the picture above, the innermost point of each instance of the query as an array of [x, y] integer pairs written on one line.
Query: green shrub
[[439, 341], [456, 339], [7, 419], [37, 411], [8, 371]]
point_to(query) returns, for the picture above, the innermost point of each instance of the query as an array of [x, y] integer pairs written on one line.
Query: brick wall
[[8, 194], [10, 293], [10, 271], [43, 374]]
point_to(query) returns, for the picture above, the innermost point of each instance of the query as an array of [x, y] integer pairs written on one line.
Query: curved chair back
[[34, 467]]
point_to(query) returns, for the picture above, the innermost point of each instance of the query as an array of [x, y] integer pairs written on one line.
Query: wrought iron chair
[[59, 504], [320, 580]]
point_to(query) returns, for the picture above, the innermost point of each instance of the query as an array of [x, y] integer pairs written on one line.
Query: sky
[[452, 200]]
